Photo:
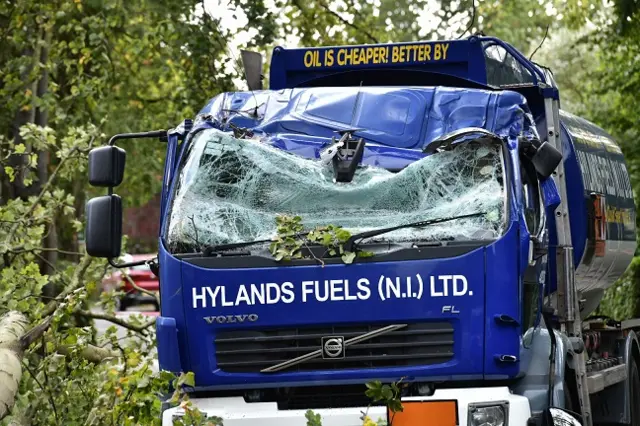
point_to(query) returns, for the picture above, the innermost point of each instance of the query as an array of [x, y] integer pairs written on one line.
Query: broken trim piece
[[450, 138]]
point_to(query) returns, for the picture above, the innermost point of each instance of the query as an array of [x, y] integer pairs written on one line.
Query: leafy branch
[[291, 239], [142, 328], [388, 394], [192, 415]]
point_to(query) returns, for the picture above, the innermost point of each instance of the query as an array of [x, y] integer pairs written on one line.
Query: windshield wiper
[[350, 244], [212, 250], [220, 249]]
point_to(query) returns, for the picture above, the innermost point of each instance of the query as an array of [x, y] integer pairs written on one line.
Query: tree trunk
[[42, 114], [42, 119], [80, 196], [15, 339], [13, 326], [25, 115]]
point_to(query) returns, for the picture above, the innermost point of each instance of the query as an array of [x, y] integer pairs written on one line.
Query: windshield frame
[[407, 250]]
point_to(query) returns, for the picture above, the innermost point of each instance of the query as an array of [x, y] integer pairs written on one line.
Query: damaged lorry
[[422, 213]]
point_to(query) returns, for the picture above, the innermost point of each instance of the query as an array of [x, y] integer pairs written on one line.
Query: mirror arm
[[128, 264], [152, 134], [162, 134]]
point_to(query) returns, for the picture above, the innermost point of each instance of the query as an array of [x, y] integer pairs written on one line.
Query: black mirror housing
[[106, 166], [103, 234], [252, 62], [546, 159]]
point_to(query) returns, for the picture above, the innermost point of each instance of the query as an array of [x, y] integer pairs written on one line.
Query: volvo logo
[[333, 347], [228, 319]]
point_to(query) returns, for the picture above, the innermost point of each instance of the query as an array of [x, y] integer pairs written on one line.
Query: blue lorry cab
[[458, 193]]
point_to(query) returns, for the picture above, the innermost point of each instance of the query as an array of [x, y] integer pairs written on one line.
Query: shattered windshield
[[231, 190]]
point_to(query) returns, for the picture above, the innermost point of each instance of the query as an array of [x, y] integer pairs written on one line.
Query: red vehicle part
[[142, 277]]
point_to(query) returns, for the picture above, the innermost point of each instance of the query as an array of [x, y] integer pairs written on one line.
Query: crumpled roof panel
[[397, 117]]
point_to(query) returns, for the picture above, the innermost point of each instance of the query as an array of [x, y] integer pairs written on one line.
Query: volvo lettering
[[228, 319]]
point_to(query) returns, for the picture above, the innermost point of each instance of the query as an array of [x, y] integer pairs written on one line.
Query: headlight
[[488, 414]]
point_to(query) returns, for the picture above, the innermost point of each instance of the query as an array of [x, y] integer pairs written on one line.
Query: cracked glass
[[231, 190]]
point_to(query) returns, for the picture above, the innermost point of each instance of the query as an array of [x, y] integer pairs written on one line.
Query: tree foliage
[[292, 242], [72, 72], [322, 22], [602, 74]]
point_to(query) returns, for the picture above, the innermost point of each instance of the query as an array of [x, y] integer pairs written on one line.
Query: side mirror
[[106, 166], [103, 233], [546, 159], [558, 417]]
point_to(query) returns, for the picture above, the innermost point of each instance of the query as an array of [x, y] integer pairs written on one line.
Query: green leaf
[[374, 384], [189, 379], [343, 235], [395, 406], [20, 149], [8, 170], [386, 392], [348, 257], [313, 419]]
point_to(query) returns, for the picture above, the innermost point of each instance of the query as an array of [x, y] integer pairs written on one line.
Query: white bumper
[[235, 412]]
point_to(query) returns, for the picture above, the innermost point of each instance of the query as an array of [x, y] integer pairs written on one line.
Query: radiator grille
[[249, 351]]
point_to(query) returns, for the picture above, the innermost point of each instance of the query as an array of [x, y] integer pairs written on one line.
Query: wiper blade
[[350, 244], [211, 250]]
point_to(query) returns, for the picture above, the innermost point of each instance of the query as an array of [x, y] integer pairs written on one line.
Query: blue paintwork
[[288, 65], [399, 122], [468, 325], [463, 58], [397, 118], [171, 307], [503, 293], [167, 333]]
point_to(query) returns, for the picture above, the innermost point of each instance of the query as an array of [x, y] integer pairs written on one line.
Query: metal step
[[599, 380]]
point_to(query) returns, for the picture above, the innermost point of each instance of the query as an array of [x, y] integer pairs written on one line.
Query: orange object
[[425, 413], [600, 224]]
